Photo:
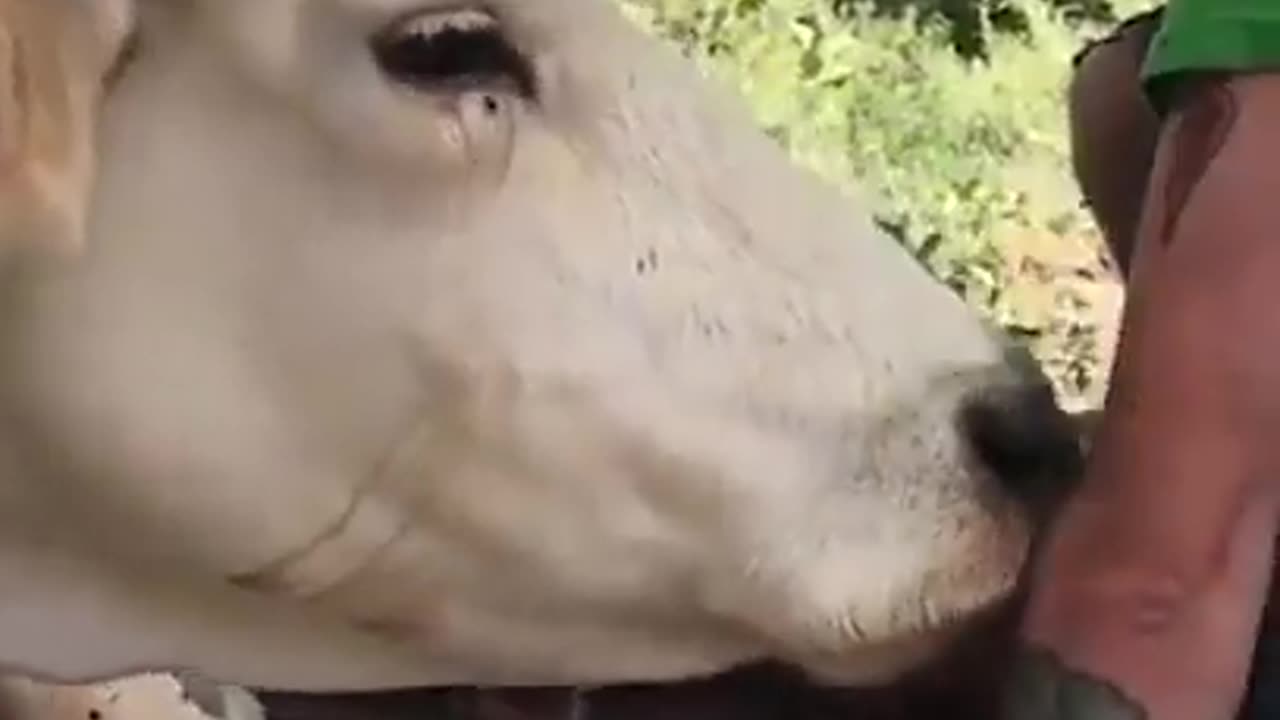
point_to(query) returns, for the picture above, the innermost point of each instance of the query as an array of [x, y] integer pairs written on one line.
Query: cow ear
[[55, 57]]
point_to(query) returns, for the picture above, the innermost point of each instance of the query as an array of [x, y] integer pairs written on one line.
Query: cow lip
[[978, 647]]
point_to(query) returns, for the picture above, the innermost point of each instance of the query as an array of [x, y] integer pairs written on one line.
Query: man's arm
[[1152, 584], [1113, 131]]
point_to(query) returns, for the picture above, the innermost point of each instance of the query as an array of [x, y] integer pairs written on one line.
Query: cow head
[[420, 342]]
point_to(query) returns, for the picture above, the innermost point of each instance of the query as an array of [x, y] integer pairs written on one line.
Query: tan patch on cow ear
[[54, 55]]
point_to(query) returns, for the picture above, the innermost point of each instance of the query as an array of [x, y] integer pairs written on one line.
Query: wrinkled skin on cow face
[[428, 343]]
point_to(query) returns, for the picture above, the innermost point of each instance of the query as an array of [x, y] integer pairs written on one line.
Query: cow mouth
[[964, 683]]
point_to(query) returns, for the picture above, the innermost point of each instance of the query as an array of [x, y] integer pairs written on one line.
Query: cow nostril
[[1030, 445]]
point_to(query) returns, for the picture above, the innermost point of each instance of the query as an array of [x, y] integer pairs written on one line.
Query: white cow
[[418, 342]]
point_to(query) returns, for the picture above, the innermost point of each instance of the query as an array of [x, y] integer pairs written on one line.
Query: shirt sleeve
[[1211, 35]]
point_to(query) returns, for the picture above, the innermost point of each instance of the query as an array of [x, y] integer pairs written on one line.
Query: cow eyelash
[[453, 52]]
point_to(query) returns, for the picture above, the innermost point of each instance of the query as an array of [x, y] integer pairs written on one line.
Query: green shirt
[[1213, 35]]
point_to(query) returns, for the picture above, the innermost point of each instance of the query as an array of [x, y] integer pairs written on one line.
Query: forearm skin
[[1151, 586]]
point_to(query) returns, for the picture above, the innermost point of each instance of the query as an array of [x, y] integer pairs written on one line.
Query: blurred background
[[948, 118]]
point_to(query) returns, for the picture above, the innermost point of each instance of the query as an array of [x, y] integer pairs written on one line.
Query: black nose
[[1030, 445]]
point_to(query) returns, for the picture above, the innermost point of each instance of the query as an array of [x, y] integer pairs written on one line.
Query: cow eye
[[440, 51]]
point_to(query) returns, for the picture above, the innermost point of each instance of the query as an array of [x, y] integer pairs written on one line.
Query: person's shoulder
[[1211, 36]]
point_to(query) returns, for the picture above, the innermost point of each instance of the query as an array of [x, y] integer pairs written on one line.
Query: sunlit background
[[948, 117]]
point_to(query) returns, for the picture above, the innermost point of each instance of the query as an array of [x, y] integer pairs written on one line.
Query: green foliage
[[965, 161], [970, 23]]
